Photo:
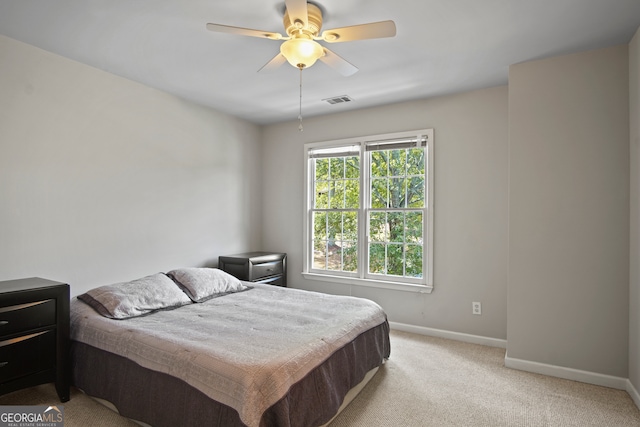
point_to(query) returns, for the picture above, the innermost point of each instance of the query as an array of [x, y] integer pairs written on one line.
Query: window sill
[[406, 287]]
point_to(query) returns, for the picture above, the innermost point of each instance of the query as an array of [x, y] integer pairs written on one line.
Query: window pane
[[335, 257], [415, 192], [413, 224], [350, 253], [377, 258], [336, 199], [414, 261], [322, 169], [398, 162], [350, 230], [334, 248], [334, 226], [396, 227], [415, 161], [397, 192], [319, 226], [395, 261], [379, 193], [378, 227], [352, 194], [321, 195], [320, 254], [337, 167], [379, 163], [353, 167]]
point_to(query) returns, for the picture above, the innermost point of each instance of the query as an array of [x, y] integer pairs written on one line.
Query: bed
[[198, 347]]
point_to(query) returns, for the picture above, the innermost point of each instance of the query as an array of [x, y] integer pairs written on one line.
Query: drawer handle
[[22, 338], [4, 322], [3, 364]]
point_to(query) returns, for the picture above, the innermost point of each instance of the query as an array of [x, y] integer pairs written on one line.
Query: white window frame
[[362, 278]]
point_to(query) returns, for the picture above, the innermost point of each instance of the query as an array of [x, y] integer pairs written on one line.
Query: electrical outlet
[[476, 308]]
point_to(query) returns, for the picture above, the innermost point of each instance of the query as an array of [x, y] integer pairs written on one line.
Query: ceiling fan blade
[[374, 30], [297, 10], [277, 61], [244, 31], [338, 63]]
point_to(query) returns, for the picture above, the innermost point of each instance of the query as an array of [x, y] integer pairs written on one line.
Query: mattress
[[260, 355]]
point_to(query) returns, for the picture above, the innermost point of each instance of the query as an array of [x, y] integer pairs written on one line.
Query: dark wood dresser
[[257, 267], [34, 335]]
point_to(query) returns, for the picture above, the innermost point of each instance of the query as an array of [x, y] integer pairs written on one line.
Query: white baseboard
[[457, 336], [567, 373], [633, 393]]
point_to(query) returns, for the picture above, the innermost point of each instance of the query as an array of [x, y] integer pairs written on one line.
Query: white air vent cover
[[338, 99]]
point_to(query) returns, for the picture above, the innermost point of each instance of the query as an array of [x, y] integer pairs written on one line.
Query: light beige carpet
[[429, 382], [437, 382]]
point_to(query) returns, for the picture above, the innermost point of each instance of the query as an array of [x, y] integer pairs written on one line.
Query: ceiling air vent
[[338, 99]]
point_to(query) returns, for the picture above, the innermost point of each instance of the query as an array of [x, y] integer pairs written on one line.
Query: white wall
[[634, 294], [569, 211], [470, 198], [103, 179]]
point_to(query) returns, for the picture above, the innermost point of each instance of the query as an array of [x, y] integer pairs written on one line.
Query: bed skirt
[[161, 400]]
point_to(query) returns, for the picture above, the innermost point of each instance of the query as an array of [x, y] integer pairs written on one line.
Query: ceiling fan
[[302, 23]]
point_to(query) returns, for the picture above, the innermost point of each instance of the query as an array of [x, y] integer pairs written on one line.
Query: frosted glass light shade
[[301, 52]]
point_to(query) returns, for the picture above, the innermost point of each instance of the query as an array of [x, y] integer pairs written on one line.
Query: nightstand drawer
[[27, 355], [266, 269], [262, 267], [275, 281], [22, 317]]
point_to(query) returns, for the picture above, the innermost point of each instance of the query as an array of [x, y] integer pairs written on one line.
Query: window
[[369, 211]]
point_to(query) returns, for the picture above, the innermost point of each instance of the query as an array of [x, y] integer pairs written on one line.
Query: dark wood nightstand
[[34, 335], [258, 267]]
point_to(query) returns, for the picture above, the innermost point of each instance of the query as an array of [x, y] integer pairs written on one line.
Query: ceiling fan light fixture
[[302, 22], [301, 52]]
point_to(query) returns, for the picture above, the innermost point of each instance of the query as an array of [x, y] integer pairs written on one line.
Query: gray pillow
[[135, 298], [202, 284]]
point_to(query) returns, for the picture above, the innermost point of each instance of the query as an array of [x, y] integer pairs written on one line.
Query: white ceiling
[[441, 47]]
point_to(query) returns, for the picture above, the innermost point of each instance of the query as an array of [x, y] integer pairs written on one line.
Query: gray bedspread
[[244, 350]]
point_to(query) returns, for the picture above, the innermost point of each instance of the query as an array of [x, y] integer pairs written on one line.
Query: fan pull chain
[[300, 128]]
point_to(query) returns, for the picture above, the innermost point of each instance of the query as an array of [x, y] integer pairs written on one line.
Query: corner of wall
[[634, 251]]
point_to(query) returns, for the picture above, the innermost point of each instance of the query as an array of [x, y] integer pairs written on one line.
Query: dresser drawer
[[22, 317], [266, 269], [27, 354]]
